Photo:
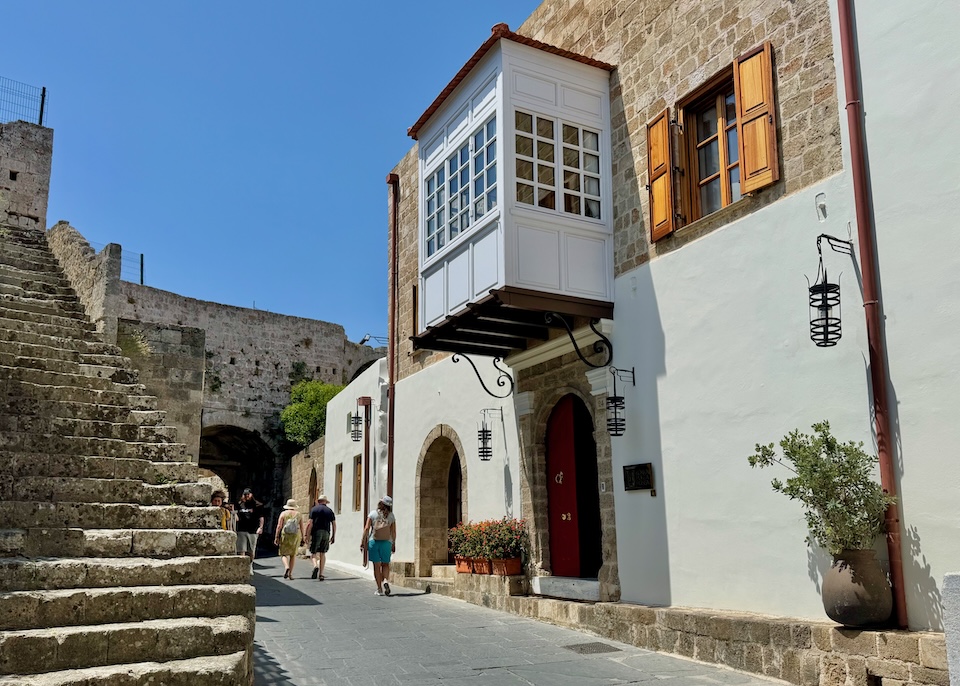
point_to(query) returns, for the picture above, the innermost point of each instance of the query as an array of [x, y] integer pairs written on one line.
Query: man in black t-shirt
[[249, 524], [321, 531]]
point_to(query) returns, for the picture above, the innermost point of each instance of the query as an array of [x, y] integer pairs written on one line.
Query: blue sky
[[242, 147]]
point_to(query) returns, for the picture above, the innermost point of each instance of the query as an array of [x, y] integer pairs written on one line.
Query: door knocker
[[559, 478]]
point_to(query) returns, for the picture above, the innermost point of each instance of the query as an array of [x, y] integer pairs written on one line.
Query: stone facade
[[26, 152], [306, 475]]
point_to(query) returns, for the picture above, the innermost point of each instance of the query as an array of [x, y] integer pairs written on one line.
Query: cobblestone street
[[338, 633]]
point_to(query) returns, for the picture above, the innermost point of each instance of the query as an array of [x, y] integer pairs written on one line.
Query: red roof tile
[[498, 32]]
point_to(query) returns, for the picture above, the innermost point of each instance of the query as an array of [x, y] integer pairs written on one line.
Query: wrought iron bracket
[[602, 345], [504, 379]]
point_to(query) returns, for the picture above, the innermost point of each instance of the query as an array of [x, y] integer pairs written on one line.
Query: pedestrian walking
[[380, 541], [218, 499], [289, 536], [321, 532], [249, 524]]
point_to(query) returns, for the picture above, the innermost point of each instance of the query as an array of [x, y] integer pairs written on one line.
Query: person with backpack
[[289, 536]]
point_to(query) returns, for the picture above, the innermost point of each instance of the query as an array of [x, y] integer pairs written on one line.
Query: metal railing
[[19, 101]]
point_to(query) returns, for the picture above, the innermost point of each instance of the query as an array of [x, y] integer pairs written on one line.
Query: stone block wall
[[302, 466], [170, 360], [26, 153], [94, 276]]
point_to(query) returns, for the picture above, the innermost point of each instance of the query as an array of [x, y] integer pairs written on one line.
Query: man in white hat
[[321, 532]]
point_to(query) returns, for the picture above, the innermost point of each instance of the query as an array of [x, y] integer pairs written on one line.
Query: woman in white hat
[[289, 536], [380, 539]]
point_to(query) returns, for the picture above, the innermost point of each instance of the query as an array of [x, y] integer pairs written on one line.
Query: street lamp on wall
[[824, 302], [356, 430], [616, 404], [485, 434]]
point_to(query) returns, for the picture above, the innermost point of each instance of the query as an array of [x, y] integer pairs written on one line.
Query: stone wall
[[170, 360], [26, 153], [253, 357], [94, 276], [302, 465], [663, 50]]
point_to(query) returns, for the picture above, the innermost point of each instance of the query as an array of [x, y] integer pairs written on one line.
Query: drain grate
[[591, 648]]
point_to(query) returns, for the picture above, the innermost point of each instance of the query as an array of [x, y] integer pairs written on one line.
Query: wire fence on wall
[[131, 263], [20, 101]]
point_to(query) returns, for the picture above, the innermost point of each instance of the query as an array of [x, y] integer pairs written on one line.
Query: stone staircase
[[112, 568]]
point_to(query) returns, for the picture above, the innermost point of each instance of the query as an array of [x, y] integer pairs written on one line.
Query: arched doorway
[[312, 490], [440, 498], [573, 498]]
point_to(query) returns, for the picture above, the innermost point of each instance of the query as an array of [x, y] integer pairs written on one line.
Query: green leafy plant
[[304, 420], [834, 481]]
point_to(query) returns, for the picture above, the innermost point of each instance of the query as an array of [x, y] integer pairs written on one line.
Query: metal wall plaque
[[638, 477]]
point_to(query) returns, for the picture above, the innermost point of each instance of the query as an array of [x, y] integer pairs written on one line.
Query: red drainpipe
[[394, 181], [364, 402], [871, 303]]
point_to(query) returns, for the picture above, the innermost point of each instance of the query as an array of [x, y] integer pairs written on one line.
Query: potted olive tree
[[845, 509]]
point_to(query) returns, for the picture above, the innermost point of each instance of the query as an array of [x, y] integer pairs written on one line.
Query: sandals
[[286, 573]]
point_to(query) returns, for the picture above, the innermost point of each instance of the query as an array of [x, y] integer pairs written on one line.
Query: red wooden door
[[562, 491]]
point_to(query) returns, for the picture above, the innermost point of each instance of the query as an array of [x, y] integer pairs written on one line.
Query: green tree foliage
[[304, 420], [834, 481]]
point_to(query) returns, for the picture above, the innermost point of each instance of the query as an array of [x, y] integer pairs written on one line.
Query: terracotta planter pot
[[481, 565], [464, 564], [508, 567], [856, 591]]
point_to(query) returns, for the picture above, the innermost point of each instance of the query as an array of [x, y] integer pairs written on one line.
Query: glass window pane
[[431, 226], [431, 204], [431, 247], [454, 229], [733, 153], [706, 124], [464, 220], [492, 198], [478, 207], [545, 175], [571, 181], [491, 128], [440, 218], [440, 176], [571, 158], [453, 206], [440, 239], [464, 177], [524, 122], [591, 185], [545, 128], [591, 163], [730, 105], [454, 184], [735, 184], [478, 186], [571, 134], [591, 141], [709, 159], [464, 154], [491, 175], [571, 203], [465, 198], [524, 194], [547, 198], [478, 140], [524, 146], [453, 165], [525, 170], [431, 186], [440, 196], [478, 161], [491, 152], [545, 151], [710, 197], [591, 208]]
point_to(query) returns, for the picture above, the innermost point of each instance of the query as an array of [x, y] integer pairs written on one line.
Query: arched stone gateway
[[441, 496]]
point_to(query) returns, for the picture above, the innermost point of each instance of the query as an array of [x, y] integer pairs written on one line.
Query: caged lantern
[[616, 404], [824, 299], [356, 432]]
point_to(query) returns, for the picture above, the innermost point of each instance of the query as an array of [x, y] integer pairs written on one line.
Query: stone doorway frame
[[430, 496]]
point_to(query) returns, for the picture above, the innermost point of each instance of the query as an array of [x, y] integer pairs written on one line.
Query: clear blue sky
[[242, 147]]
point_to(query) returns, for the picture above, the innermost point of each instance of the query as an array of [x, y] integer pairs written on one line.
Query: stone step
[[25, 610], [211, 670], [11, 320], [43, 314], [91, 344], [28, 264], [37, 651], [85, 378], [38, 252], [15, 464], [45, 294], [39, 442], [124, 431], [87, 515], [159, 543], [42, 305], [22, 406], [69, 367], [55, 489], [38, 574], [15, 389]]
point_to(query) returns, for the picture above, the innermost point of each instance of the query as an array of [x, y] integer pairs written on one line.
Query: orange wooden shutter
[[756, 118], [660, 175]]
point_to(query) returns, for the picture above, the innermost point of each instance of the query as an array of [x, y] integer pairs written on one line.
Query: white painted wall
[[444, 393]]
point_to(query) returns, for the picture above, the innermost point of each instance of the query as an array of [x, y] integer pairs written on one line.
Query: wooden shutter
[[756, 118], [660, 175]]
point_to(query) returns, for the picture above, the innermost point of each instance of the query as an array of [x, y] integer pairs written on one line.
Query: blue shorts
[[379, 551]]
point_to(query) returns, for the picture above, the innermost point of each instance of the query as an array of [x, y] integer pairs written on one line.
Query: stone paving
[[338, 633]]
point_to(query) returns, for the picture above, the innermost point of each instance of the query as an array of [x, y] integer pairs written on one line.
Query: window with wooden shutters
[[727, 143], [338, 493], [660, 172], [357, 481]]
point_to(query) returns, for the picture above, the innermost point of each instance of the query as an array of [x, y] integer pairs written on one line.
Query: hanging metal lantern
[[356, 432], [484, 441], [825, 328], [616, 404]]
